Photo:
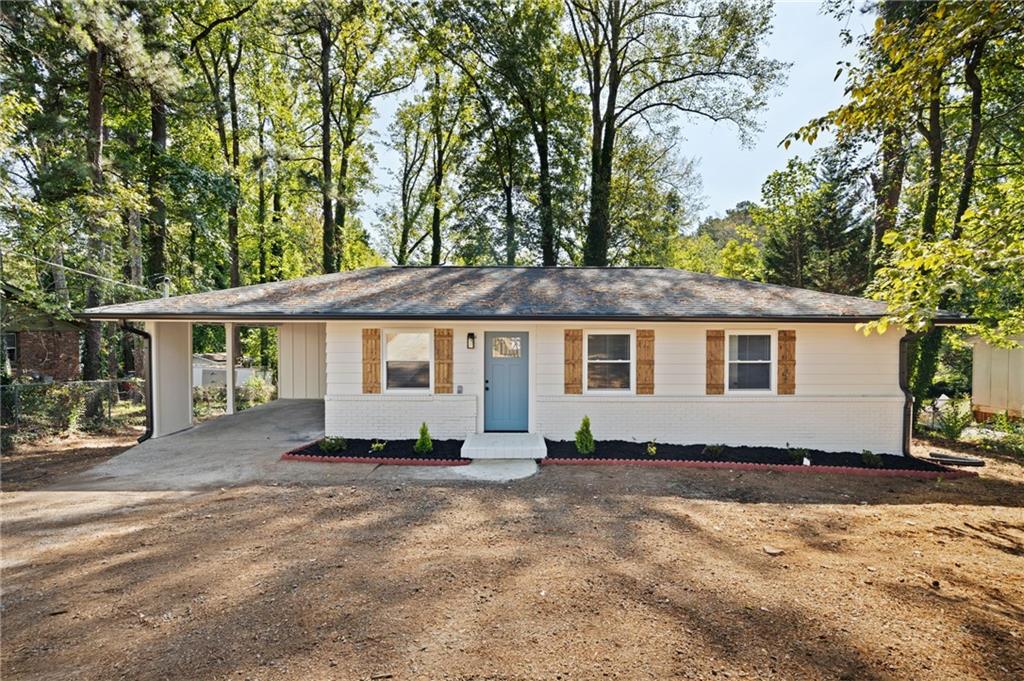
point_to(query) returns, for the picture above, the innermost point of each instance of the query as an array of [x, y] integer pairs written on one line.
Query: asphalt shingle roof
[[504, 292]]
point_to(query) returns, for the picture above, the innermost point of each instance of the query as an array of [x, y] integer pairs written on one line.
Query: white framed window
[[408, 360], [10, 340], [609, 365], [750, 362]]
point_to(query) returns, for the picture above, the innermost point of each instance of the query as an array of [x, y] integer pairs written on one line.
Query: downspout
[[908, 396], [149, 377]]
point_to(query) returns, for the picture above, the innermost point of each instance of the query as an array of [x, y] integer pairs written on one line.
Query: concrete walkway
[[246, 448]]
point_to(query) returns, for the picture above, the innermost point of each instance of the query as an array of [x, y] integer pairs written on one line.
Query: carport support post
[[229, 378]]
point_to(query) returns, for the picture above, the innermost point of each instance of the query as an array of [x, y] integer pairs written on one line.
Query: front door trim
[[519, 420]]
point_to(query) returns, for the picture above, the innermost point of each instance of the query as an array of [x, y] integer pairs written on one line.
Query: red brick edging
[[384, 461], [947, 473]]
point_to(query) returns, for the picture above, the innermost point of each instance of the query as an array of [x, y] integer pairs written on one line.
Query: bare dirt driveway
[[576, 573]]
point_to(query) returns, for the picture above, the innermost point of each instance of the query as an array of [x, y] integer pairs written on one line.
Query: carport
[[301, 368]]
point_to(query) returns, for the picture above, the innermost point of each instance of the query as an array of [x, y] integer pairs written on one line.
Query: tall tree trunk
[[130, 353], [60, 279], [930, 343], [157, 218], [94, 158], [341, 205], [510, 226], [596, 245], [277, 240], [438, 180], [508, 191], [548, 246], [330, 257], [887, 189], [933, 135], [261, 224], [971, 151], [235, 275]]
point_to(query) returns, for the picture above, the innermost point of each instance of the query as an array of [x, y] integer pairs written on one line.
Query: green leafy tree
[[652, 58], [936, 86], [815, 235]]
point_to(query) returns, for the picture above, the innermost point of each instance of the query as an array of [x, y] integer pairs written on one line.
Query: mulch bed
[[608, 451], [395, 452]]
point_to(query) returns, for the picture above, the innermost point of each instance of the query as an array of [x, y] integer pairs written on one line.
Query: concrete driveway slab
[[246, 448], [231, 450]]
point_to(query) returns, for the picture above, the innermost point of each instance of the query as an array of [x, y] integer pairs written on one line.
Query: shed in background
[[997, 380]]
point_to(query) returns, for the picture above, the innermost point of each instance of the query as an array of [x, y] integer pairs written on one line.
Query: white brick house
[[646, 353]]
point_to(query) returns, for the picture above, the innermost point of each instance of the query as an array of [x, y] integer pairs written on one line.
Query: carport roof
[[513, 293]]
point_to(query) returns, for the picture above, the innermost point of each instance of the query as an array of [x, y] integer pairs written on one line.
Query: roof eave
[[298, 317]]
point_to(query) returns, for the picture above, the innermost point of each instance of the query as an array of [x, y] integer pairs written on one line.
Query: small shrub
[[254, 391], [870, 459], [585, 438], [332, 445], [652, 448], [424, 445], [65, 408], [378, 446], [1001, 422], [1014, 443], [798, 454], [713, 450], [953, 419]]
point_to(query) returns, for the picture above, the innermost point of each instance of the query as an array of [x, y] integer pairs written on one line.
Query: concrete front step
[[504, 446]]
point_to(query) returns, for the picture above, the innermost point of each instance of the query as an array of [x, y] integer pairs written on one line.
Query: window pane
[[750, 376], [608, 346], [506, 347], [408, 346], [408, 359], [408, 374], [750, 347], [608, 376]]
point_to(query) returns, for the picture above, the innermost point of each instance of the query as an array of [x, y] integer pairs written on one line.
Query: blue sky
[[803, 37], [810, 42]]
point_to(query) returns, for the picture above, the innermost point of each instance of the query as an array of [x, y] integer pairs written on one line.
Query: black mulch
[[444, 450], [620, 449]]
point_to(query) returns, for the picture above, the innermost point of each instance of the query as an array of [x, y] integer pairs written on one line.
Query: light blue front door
[[506, 381]]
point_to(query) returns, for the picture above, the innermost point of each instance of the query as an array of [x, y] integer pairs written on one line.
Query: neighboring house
[[38, 345], [646, 353], [210, 369], [997, 380]]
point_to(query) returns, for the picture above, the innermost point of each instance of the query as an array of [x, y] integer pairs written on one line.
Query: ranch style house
[[646, 353]]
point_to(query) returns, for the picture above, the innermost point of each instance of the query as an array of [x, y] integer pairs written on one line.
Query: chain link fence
[[29, 411], [34, 410]]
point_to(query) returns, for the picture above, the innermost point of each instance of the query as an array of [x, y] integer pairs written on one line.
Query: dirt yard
[[39, 463], [580, 572]]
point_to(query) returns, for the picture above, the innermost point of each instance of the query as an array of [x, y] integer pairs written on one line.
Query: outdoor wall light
[[470, 341]]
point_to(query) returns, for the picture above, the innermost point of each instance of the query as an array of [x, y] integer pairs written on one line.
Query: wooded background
[[227, 142]]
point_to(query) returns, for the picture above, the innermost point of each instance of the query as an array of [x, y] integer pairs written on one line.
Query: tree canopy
[[165, 145]]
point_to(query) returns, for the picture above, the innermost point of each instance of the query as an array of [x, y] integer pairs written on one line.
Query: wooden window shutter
[[645, 361], [371, 360], [715, 362], [786, 384], [574, 361], [443, 361]]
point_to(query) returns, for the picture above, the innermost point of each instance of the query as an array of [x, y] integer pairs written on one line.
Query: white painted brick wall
[[830, 424], [397, 417], [848, 397]]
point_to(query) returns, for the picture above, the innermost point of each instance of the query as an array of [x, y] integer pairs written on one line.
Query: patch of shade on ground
[[580, 572]]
